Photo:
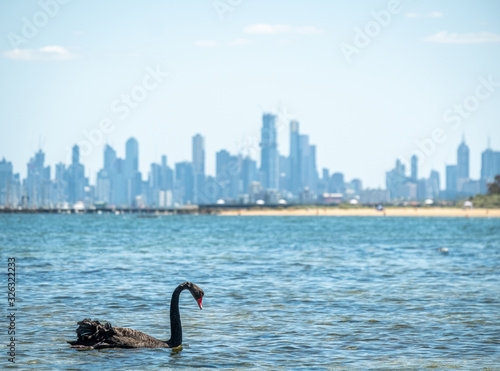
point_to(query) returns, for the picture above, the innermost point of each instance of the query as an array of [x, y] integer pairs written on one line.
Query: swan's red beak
[[199, 302]]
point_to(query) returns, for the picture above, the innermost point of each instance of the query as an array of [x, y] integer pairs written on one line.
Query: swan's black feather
[[96, 335]]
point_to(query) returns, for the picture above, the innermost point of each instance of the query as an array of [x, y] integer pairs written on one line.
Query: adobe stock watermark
[[470, 104], [31, 26], [222, 7], [455, 116], [365, 35], [122, 106]]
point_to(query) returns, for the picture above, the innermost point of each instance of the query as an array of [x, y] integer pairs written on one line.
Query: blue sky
[[67, 68]]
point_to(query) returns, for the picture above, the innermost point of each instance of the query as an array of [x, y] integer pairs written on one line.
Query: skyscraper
[[132, 175], [324, 182], [325, 173], [294, 157], [60, 185], [434, 184], [160, 185], [198, 168], [308, 172], [38, 185], [284, 173], [414, 168], [312, 171], [184, 182], [5, 182], [222, 178], [451, 181], [234, 177], [337, 184], [166, 175], [357, 185], [109, 158], [114, 180], [76, 178], [248, 173], [228, 175], [131, 157], [269, 152], [154, 185], [395, 179], [463, 161], [106, 179], [490, 167], [423, 189]]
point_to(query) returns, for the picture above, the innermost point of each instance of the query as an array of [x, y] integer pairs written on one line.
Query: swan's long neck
[[175, 319]]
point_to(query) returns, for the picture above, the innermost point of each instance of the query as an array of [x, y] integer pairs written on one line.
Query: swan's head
[[196, 292]]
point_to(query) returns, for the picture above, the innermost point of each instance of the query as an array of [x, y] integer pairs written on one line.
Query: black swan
[[94, 335]]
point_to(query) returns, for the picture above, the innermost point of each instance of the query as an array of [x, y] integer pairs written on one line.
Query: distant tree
[[494, 188]]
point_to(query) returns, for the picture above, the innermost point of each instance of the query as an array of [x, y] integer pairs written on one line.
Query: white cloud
[[50, 52], [445, 37], [434, 14], [412, 15], [271, 29], [263, 29], [267, 29], [238, 42], [308, 30], [206, 43]]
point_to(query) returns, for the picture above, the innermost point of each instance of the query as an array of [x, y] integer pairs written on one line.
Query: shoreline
[[235, 210], [395, 212]]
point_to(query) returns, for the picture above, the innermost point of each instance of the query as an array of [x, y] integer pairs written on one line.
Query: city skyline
[[201, 139], [238, 178], [384, 78]]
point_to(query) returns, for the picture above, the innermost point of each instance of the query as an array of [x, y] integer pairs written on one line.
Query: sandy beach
[[401, 211]]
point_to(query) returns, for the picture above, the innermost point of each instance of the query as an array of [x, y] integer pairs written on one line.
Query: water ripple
[[281, 292]]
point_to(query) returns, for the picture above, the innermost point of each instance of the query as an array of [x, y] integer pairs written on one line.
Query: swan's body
[[94, 335]]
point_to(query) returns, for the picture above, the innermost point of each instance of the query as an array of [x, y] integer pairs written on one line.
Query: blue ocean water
[[281, 292]]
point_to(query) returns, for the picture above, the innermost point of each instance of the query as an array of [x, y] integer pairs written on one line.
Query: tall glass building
[[463, 161], [198, 169], [269, 152]]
